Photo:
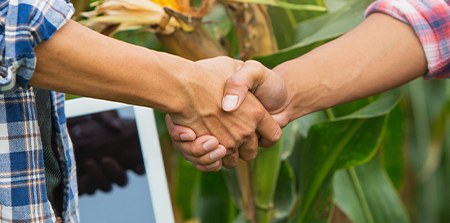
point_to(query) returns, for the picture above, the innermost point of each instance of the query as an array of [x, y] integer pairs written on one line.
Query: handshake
[[254, 105], [232, 106]]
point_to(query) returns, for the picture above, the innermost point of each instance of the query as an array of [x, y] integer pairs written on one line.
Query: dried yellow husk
[[128, 14], [139, 14]]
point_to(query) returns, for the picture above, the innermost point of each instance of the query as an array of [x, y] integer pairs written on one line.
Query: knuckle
[[200, 168], [249, 157], [247, 133], [256, 65], [234, 82], [257, 112], [205, 161], [198, 152]]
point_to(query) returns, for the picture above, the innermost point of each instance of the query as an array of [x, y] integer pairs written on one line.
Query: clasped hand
[[211, 134]]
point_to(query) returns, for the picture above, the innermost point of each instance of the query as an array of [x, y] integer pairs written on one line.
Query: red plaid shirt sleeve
[[430, 20]]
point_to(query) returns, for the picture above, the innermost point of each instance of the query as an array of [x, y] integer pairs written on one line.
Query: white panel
[[154, 166]]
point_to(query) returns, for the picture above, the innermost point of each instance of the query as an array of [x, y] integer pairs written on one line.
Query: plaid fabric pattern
[[430, 20], [23, 198]]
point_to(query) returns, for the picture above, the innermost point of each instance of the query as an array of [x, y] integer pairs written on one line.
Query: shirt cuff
[[430, 20], [24, 24]]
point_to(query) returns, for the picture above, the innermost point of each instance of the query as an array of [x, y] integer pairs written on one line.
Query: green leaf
[[282, 4], [283, 25], [358, 109], [317, 31], [290, 135], [187, 180], [366, 195], [284, 21], [285, 195], [233, 185], [216, 202], [331, 146], [392, 147], [383, 105], [307, 121], [305, 15]]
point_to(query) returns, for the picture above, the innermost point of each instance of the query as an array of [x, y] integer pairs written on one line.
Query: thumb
[[248, 77]]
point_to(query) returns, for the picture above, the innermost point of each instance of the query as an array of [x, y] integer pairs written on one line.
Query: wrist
[[172, 85], [303, 87]]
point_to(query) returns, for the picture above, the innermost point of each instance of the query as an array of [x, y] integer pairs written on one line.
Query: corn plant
[[347, 159]]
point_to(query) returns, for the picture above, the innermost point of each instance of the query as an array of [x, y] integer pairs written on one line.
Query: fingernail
[[209, 145], [186, 137], [218, 153], [229, 102], [214, 165]]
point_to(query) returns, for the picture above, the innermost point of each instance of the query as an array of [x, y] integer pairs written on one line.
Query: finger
[[230, 161], [178, 132], [114, 171], [85, 185], [206, 159], [269, 129], [216, 166], [249, 149], [139, 169], [97, 176], [201, 146], [248, 77]]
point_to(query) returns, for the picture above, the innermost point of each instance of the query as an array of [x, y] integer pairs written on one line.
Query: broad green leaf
[[285, 195], [392, 147], [283, 25], [187, 180], [323, 205], [421, 136], [364, 108], [290, 135], [331, 146], [315, 32], [445, 217], [233, 186], [348, 108], [216, 202], [240, 218], [232, 43], [381, 106], [305, 15], [283, 4], [334, 5], [284, 21], [366, 195], [307, 121]]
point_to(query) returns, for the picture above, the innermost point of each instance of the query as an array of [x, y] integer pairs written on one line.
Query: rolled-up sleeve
[[430, 20], [23, 25]]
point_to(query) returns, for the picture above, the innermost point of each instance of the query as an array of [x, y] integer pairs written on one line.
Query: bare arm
[[80, 61], [378, 55]]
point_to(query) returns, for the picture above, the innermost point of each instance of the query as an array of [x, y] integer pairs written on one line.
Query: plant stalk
[[195, 45]]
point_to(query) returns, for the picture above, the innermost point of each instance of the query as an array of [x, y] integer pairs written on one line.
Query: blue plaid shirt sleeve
[[23, 25]]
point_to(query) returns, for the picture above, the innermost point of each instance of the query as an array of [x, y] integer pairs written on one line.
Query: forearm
[[79, 61], [380, 54]]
